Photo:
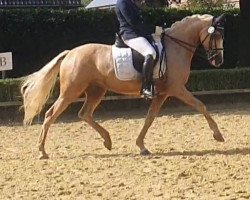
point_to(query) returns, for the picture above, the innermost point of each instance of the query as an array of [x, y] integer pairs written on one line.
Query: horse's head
[[212, 40]]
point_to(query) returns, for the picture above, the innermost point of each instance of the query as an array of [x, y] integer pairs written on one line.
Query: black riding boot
[[147, 82]]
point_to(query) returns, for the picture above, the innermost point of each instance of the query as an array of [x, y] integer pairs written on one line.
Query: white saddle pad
[[123, 64]]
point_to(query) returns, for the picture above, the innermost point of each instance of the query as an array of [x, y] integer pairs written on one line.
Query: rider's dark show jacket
[[128, 15]]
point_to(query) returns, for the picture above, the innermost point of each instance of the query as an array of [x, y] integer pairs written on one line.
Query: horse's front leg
[[187, 97], [152, 113]]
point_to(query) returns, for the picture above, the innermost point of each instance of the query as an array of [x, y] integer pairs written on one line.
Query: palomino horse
[[89, 69]]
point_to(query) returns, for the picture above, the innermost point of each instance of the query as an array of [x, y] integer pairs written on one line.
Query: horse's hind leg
[[94, 95], [55, 110], [187, 97], [152, 113]]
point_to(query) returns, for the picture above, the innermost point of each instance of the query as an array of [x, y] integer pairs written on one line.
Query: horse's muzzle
[[217, 60]]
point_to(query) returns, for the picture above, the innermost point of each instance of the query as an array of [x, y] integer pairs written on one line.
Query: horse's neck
[[180, 53], [187, 33]]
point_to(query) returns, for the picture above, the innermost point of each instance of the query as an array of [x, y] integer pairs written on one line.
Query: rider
[[134, 32]]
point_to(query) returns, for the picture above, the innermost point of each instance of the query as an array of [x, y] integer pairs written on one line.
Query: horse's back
[[91, 48], [91, 60], [89, 53]]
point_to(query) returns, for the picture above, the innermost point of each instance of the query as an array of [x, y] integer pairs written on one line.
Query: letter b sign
[[6, 61], [3, 61]]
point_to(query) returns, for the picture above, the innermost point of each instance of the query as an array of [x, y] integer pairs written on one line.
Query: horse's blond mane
[[189, 20]]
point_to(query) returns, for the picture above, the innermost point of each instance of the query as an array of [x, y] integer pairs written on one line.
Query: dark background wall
[[244, 42], [35, 36]]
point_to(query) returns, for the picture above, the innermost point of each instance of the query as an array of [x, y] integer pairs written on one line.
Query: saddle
[[137, 58], [128, 63]]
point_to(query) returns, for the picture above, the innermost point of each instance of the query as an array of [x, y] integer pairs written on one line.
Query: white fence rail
[[124, 97]]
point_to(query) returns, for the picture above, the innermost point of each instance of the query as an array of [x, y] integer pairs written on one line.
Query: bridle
[[212, 31], [217, 27]]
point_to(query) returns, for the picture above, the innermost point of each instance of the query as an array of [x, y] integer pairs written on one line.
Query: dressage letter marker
[[5, 62]]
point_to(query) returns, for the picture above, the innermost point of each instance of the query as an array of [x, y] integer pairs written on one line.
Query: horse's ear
[[220, 19]]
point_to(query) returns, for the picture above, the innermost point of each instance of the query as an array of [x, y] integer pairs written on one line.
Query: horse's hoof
[[108, 145], [43, 157], [145, 152], [218, 137]]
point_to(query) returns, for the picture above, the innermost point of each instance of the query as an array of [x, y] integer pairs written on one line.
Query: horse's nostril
[[219, 60]]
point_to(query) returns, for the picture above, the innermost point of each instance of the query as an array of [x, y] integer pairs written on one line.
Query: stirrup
[[147, 93]]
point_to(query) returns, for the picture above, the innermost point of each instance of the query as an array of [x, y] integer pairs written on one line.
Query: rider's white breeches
[[141, 45]]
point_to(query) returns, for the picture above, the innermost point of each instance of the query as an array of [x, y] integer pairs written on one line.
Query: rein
[[181, 42], [185, 45], [211, 53]]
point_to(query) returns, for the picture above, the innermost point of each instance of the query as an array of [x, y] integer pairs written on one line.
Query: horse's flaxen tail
[[38, 86]]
